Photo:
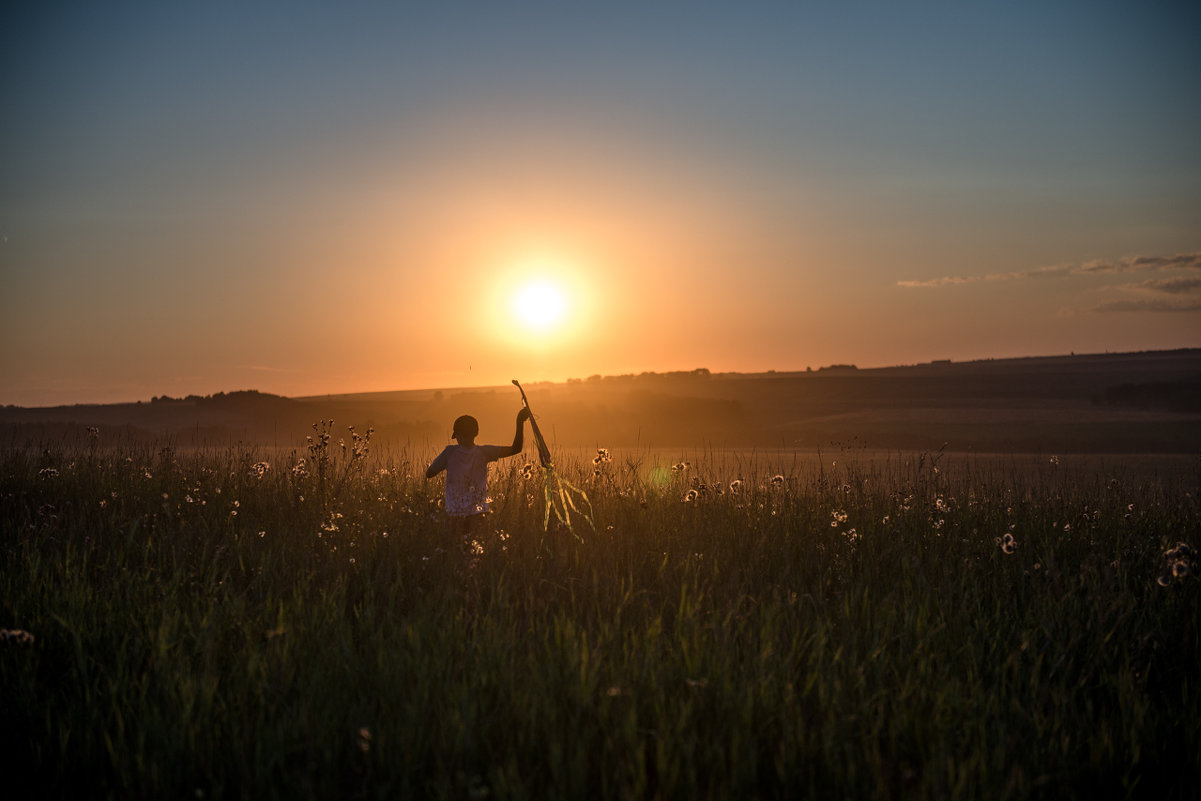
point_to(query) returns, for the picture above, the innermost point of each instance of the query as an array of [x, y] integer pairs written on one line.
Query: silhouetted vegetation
[[243, 623]]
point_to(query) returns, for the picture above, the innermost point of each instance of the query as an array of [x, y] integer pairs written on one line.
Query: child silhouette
[[466, 466]]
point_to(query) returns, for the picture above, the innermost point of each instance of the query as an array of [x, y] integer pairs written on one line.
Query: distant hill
[[1133, 402]]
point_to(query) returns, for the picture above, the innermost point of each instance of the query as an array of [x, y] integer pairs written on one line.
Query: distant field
[[1121, 403], [239, 623]]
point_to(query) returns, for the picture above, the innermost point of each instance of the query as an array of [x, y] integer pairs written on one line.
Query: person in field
[[466, 466]]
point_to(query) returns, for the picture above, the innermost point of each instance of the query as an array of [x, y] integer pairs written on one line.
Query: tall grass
[[209, 625]]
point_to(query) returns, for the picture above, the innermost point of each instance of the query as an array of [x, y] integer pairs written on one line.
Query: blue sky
[[321, 197]]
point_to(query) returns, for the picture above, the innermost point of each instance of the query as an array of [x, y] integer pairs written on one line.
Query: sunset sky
[[307, 198]]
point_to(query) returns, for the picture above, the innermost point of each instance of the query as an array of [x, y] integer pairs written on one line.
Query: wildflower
[[837, 518], [15, 637], [1054, 460], [777, 480], [690, 496], [1179, 564], [736, 486], [49, 472]]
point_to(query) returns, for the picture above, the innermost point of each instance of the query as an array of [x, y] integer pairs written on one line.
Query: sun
[[540, 305]]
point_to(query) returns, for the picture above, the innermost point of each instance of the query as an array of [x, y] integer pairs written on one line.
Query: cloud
[[1190, 261], [1185, 261], [1156, 305], [1172, 286], [948, 280]]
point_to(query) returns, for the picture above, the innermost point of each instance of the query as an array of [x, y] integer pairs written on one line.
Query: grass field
[[228, 624]]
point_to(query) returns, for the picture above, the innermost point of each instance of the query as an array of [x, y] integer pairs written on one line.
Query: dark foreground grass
[[208, 626]]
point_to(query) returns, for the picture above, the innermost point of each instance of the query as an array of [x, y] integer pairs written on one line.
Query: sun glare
[[540, 305]]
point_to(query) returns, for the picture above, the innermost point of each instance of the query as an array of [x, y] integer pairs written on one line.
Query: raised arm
[[519, 436]]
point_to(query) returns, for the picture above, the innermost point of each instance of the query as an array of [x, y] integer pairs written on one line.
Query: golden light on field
[[540, 305]]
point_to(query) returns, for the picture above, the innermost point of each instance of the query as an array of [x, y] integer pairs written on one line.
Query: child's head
[[467, 428]]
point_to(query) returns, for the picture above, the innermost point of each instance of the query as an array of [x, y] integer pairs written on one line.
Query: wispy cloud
[[1148, 295], [1181, 261], [1190, 261], [1154, 305], [950, 280], [1171, 286]]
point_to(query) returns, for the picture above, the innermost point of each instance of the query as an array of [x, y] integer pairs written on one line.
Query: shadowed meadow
[[243, 623]]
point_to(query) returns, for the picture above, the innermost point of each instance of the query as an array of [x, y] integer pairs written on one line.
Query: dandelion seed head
[[15, 637]]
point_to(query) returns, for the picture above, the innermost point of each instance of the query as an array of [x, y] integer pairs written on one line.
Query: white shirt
[[467, 477]]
